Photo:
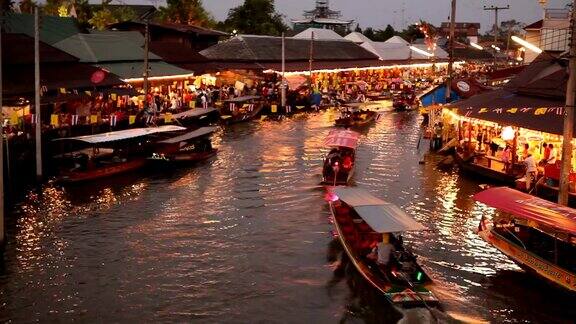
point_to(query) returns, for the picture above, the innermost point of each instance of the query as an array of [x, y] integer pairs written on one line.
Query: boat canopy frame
[[122, 134], [342, 138], [200, 132], [381, 216]]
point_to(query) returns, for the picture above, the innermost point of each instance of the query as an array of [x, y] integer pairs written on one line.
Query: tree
[[257, 17], [189, 12], [411, 33], [369, 32], [102, 18]]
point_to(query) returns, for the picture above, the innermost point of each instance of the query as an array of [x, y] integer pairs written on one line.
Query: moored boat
[[360, 220], [488, 167], [339, 164], [540, 236], [189, 147], [106, 154], [240, 109]]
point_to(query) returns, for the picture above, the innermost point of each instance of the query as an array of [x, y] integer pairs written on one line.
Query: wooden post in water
[[283, 82], [568, 116], [37, 112], [311, 58]]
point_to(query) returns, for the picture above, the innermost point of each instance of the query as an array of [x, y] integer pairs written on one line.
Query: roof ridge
[[256, 58], [88, 48]]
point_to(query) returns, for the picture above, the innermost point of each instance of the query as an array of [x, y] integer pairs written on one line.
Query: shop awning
[[381, 216], [123, 134], [531, 208], [343, 138], [507, 108], [134, 70]]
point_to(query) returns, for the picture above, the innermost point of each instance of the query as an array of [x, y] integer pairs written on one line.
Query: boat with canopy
[[90, 157], [361, 220], [353, 116], [240, 109], [190, 147], [339, 164], [540, 236]]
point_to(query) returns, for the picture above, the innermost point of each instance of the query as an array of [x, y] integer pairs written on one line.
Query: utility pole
[[1, 144], [37, 111], [496, 9], [568, 116], [311, 57], [146, 67], [451, 50], [283, 82]]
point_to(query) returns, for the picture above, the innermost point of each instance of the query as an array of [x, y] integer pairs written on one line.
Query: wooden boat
[[240, 109], [487, 167], [358, 118], [405, 101], [360, 219], [190, 147], [540, 236], [548, 186], [108, 154], [192, 116], [339, 164]]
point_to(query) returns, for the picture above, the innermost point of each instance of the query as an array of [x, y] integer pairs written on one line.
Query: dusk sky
[[378, 13]]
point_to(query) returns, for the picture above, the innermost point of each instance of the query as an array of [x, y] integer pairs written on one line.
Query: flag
[[274, 108], [263, 117], [288, 109], [192, 104], [93, 119], [131, 119], [63, 90], [168, 117], [113, 120], [33, 118], [54, 120], [74, 120], [250, 107], [113, 96], [232, 106], [14, 118], [149, 119], [205, 105]]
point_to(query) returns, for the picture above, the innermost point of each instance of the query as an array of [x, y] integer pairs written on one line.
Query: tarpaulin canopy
[[381, 216], [202, 131], [194, 113], [243, 98], [531, 208], [123, 134], [343, 138]]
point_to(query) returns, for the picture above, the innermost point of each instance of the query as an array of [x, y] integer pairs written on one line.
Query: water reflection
[[243, 238]]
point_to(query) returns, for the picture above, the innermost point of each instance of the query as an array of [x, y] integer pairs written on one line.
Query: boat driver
[[383, 251]]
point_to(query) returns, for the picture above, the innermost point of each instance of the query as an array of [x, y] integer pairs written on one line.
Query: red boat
[[190, 147], [540, 236], [109, 153], [339, 163], [360, 220]]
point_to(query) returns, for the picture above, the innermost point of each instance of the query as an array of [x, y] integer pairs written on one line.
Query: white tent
[[396, 40], [357, 37], [389, 51], [318, 34]]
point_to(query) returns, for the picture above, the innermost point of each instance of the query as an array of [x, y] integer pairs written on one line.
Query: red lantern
[[98, 76]]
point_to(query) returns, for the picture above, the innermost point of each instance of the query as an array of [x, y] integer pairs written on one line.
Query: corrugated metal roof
[[107, 46], [134, 70], [52, 28], [357, 37], [269, 49]]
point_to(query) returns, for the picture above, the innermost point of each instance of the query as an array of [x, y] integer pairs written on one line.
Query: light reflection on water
[[243, 237]]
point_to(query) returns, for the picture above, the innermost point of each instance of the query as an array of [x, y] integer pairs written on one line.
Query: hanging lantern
[[507, 133]]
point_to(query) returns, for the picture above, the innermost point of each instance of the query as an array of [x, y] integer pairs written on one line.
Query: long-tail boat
[[540, 236], [189, 147], [240, 109], [339, 164], [107, 154], [352, 117], [360, 219]]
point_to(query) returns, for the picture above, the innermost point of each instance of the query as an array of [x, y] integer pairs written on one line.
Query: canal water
[[244, 238]]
